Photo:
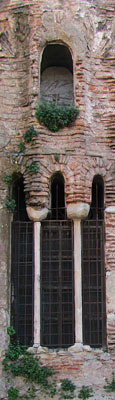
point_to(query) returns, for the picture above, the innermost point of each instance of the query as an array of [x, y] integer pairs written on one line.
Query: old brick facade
[[85, 149]]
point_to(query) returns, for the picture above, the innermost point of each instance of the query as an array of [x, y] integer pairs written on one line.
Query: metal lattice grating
[[57, 288], [22, 275], [93, 283]]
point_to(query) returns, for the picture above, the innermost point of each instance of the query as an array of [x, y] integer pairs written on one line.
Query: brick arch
[[63, 168], [89, 171], [38, 186], [110, 184], [78, 180]]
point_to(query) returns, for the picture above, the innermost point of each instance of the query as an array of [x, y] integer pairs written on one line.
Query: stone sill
[[72, 350]]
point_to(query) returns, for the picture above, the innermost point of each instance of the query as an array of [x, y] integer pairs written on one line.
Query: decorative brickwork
[[86, 148]]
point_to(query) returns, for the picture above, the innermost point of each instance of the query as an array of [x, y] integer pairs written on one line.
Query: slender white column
[[78, 281], [36, 216], [37, 226], [77, 212]]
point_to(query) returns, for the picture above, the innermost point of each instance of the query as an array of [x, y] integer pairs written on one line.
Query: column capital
[[110, 209], [36, 215], [77, 210]]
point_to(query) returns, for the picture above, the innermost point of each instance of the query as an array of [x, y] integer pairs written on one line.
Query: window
[[56, 319], [93, 279], [57, 288], [57, 74], [57, 197], [22, 269]]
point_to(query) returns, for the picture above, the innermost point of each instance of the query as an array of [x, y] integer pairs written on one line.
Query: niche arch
[[56, 74]]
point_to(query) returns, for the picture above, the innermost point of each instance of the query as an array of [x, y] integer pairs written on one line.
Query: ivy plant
[[29, 134], [21, 147], [10, 204], [85, 392], [7, 178], [12, 393], [21, 363], [32, 168], [55, 116], [11, 331], [67, 389], [110, 387]]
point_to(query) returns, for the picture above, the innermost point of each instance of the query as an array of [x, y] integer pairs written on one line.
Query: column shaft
[[77, 279], [37, 226]]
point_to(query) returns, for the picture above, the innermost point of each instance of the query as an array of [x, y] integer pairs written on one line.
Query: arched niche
[[97, 203], [57, 196], [57, 74]]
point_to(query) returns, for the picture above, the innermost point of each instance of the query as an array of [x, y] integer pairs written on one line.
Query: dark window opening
[[93, 275], [18, 194], [56, 55], [57, 197], [57, 286], [97, 204], [21, 268], [57, 74]]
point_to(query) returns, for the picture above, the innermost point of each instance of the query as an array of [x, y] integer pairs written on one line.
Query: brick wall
[[87, 147]]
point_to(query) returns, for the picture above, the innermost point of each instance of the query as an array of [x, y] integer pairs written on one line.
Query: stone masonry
[[86, 149]]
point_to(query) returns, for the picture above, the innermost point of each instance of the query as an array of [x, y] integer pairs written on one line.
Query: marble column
[[110, 275], [77, 212], [37, 216]]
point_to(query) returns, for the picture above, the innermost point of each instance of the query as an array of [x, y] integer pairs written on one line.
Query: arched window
[[57, 196], [93, 279], [57, 287], [21, 268], [57, 74], [97, 204]]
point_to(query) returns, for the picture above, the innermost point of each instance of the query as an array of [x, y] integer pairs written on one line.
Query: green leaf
[[55, 116]]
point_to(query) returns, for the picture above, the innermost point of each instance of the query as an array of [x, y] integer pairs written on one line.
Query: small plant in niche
[[55, 116], [56, 156], [12, 393], [10, 204], [7, 178], [29, 134], [33, 168], [21, 147]]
